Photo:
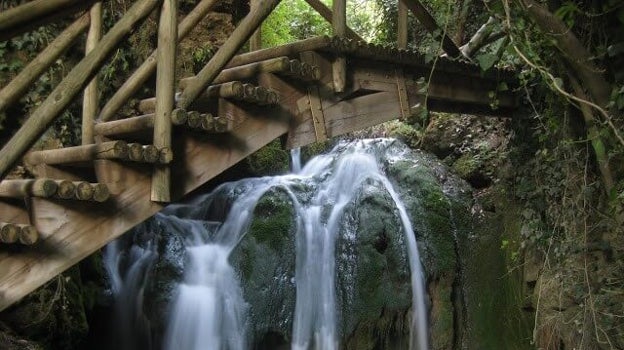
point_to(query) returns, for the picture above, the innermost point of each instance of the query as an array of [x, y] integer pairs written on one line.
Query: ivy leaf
[[486, 60]]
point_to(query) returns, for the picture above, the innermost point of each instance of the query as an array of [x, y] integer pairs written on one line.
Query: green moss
[[466, 165], [273, 221], [271, 159]]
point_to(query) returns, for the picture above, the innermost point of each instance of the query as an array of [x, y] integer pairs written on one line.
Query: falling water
[[295, 160], [209, 311]]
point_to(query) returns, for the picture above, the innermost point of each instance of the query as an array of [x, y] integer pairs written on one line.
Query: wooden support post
[[326, 13], [255, 43], [69, 87], [21, 188], [339, 26], [145, 71], [36, 13], [12, 92], [425, 18], [90, 99], [165, 98], [225, 53], [402, 26], [79, 154]]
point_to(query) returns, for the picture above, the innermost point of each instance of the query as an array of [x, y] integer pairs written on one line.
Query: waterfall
[[209, 310]]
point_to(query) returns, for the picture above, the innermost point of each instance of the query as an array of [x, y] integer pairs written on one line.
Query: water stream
[[209, 310]]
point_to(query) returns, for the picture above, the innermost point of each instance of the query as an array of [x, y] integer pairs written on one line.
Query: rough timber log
[[36, 13], [79, 154], [27, 188], [12, 92]]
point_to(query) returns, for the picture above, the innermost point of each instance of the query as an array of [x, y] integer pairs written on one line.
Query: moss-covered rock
[[266, 261]]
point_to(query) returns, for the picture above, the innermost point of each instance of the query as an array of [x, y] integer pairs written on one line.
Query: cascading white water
[[209, 311], [128, 272]]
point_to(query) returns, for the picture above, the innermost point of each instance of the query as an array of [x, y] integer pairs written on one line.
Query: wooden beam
[[425, 18], [79, 154], [69, 87], [339, 26], [225, 53], [137, 80], [36, 13], [137, 124], [245, 72], [90, 99], [14, 90], [402, 26], [20, 188], [326, 13], [290, 49], [165, 99]]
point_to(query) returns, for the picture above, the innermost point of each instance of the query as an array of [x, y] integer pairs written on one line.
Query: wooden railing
[[83, 76]]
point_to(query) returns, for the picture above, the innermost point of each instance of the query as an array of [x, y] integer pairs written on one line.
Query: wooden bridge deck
[[382, 84]]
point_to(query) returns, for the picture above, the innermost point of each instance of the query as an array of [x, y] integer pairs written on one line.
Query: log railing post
[[339, 25], [165, 99], [18, 85], [255, 43], [90, 98], [69, 87], [241, 34], [402, 26]]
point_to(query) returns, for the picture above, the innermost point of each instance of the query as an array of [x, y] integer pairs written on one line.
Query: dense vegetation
[[567, 151]]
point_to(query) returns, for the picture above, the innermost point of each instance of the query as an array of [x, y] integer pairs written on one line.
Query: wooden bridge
[[126, 170]]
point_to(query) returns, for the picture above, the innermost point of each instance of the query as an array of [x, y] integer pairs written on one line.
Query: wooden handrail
[[70, 86], [36, 13], [90, 99], [18, 85], [143, 73], [224, 54]]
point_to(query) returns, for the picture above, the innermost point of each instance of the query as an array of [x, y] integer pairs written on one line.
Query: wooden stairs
[[85, 196]]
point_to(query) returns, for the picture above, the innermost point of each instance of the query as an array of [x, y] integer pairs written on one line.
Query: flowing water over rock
[[325, 258]]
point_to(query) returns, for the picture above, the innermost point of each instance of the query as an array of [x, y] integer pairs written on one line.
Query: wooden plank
[[165, 100], [14, 211], [69, 87], [361, 112], [12, 92], [90, 99]]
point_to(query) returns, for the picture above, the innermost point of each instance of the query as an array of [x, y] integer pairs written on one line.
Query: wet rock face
[[474, 147]]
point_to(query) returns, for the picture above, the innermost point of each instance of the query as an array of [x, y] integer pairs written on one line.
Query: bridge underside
[[382, 84]]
